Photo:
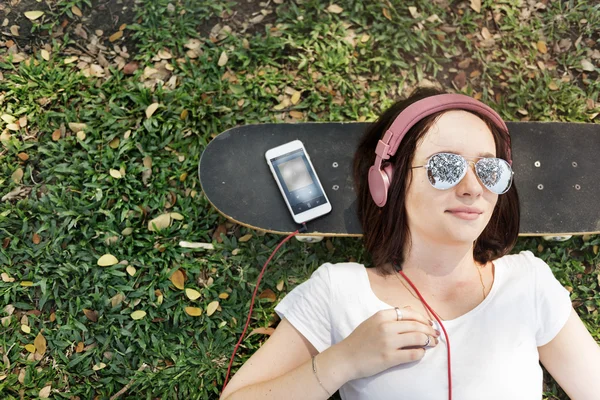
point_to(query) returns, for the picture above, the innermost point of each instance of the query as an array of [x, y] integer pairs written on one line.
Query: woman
[[439, 214]]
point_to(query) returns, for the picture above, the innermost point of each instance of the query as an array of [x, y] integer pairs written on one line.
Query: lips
[[469, 210]]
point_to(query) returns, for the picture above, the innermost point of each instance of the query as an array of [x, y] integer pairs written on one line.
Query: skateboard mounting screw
[[335, 165], [335, 187], [577, 187], [537, 164], [574, 164], [541, 187]]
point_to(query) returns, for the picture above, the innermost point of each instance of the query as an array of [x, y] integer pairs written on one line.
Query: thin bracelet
[[315, 372]]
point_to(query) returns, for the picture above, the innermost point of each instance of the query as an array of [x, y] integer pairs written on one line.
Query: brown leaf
[[217, 234], [23, 156], [460, 79], [36, 239], [268, 294], [178, 279], [75, 10], [115, 36], [476, 5], [334, 8], [296, 114], [79, 347], [245, 238], [45, 392], [130, 68], [91, 314], [56, 135]]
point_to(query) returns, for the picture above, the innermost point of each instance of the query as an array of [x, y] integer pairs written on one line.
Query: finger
[[410, 315], [406, 326], [416, 340]]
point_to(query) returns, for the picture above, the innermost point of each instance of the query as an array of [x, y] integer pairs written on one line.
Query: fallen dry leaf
[[212, 307], [56, 135], [107, 260], [115, 36], [195, 245], [17, 176], [334, 8], [98, 367], [245, 238], [151, 109], [33, 15], [192, 294], [193, 311], [178, 279], [40, 344], [30, 348], [26, 328], [541, 46], [386, 13], [75, 10], [280, 285], [476, 5], [115, 173], [131, 270], [268, 294], [296, 114], [139, 314], [222, 59], [36, 239], [76, 126], [45, 392], [91, 314], [295, 98], [586, 65], [224, 295], [161, 222], [262, 331]]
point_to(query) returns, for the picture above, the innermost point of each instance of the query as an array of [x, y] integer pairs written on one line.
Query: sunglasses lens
[[495, 173], [445, 170]]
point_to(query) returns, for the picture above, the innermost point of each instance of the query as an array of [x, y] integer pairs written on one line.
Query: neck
[[439, 269]]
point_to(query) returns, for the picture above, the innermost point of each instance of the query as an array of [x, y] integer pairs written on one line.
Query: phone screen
[[299, 181]]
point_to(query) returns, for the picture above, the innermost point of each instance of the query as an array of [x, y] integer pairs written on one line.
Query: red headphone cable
[[443, 328], [301, 230]]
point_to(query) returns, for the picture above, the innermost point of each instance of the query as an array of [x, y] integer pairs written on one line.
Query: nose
[[470, 184]]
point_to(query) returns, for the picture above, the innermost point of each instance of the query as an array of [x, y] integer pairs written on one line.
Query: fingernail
[[437, 333], [431, 322]]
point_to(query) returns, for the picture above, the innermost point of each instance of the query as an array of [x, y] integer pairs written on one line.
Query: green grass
[[81, 212]]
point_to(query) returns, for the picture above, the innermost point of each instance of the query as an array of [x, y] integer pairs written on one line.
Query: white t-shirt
[[493, 347]]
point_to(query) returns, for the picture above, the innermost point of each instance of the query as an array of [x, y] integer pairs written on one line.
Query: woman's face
[[432, 213]]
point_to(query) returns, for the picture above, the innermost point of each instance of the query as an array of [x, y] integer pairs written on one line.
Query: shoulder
[[522, 261]]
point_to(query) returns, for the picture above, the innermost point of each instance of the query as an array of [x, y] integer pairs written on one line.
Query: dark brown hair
[[385, 229]]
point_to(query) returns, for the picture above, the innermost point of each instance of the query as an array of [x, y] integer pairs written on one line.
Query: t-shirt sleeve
[[552, 302], [308, 308]]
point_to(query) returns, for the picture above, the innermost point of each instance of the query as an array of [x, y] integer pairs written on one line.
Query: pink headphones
[[380, 179]]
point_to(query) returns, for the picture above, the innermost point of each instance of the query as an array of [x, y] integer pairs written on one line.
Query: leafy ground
[[106, 107]]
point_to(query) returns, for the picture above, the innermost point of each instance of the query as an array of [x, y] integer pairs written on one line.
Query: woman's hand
[[382, 342]]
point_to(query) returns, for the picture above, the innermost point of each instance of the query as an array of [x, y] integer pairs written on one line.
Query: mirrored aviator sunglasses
[[446, 170]]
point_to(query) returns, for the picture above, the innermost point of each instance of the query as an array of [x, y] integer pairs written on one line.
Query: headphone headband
[[379, 180]]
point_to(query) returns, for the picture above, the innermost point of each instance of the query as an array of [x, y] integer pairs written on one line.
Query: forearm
[[301, 383]]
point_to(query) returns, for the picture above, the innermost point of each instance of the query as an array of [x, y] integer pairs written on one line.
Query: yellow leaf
[[552, 86], [45, 54], [295, 97], [296, 114], [75, 10], [77, 126], [178, 279], [26, 283], [147, 161], [139, 314], [386, 13], [222, 59], [115, 173], [192, 294], [12, 127], [9, 119], [476, 5], [33, 15], [25, 329], [212, 307], [17, 175], [131, 270], [113, 144], [193, 311], [334, 8], [364, 38], [81, 135], [45, 392], [160, 222], [184, 114], [115, 36], [595, 249], [98, 367], [40, 343], [245, 238], [151, 109], [70, 60], [30, 348], [107, 260], [541, 46], [224, 295], [117, 299], [176, 216], [280, 285]]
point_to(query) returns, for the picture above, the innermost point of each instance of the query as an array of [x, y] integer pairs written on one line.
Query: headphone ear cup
[[379, 183]]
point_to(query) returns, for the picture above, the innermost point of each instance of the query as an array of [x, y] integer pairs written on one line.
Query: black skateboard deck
[[555, 166]]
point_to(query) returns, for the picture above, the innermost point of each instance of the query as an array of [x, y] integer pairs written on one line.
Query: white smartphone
[[298, 181]]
